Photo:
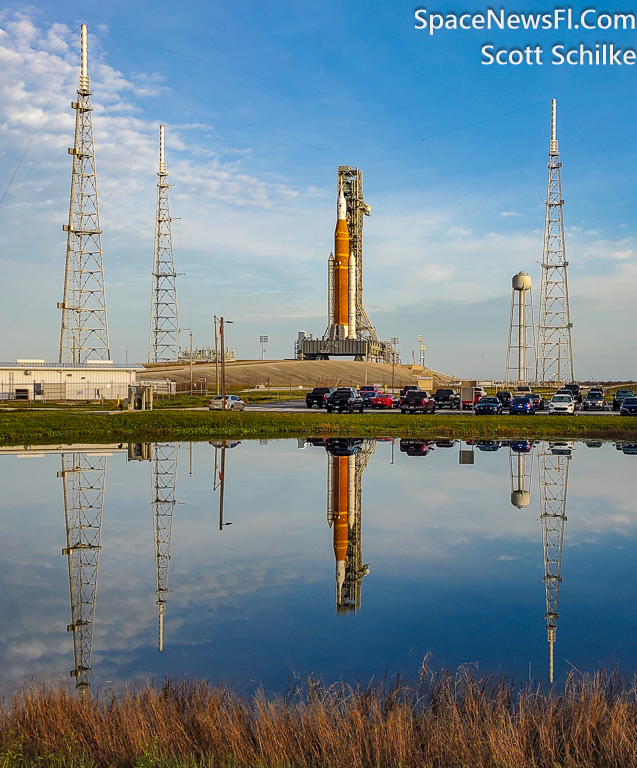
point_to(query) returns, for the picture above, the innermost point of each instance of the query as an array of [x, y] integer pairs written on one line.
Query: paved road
[[298, 406]]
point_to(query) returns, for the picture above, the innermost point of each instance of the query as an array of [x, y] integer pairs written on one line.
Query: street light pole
[[395, 341], [191, 363]]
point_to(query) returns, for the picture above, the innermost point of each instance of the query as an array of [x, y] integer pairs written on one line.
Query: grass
[[444, 721], [22, 427]]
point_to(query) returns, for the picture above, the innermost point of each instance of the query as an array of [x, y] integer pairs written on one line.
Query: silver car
[[233, 403]]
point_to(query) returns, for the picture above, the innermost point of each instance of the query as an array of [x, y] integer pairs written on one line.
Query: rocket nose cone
[[341, 206]]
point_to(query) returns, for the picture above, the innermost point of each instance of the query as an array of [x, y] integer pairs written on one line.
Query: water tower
[[520, 473], [521, 330]]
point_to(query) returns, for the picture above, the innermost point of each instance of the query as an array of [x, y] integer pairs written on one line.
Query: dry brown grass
[[453, 720]]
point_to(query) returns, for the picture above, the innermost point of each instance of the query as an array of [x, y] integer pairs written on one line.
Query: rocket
[[342, 277], [343, 500]]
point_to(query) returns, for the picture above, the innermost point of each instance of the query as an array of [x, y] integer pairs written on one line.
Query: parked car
[[344, 399], [628, 407], [368, 392], [488, 406], [594, 401], [620, 395], [447, 398], [562, 404], [522, 404], [416, 447], [538, 400], [385, 400], [575, 391], [318, 396], [488, 445], [521, 446], [407, 388], [630, 449], [233, 403], [417, 400], [504, 397], [522, 390]]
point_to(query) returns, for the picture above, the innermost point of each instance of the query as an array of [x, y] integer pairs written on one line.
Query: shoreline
[[22, 427]]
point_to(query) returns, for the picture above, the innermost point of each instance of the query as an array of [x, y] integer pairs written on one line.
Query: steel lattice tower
[[554, 354], [163, 479], [163, 346], [553, 477], [83, 477], [84, 334]]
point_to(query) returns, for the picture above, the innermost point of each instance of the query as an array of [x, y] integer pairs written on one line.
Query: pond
[[252, 562]]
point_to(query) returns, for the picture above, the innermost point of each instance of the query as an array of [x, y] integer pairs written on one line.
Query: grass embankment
[[37, 427], [445, 721]]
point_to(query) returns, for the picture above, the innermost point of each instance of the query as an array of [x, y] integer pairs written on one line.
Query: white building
[[28, 379]]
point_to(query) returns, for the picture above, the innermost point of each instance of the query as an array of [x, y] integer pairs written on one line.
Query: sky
[[261, 102]]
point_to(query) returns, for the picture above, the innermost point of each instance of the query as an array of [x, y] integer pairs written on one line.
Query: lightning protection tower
[[83, 476], [163, 346], [84, 334], [521, 330], [554, 354], [553, 477], [163, 479]]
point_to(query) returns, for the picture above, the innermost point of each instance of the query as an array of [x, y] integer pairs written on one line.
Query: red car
[[384, 400]]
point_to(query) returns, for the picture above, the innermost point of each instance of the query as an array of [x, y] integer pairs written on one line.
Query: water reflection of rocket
[[342, 278], [346, 461]]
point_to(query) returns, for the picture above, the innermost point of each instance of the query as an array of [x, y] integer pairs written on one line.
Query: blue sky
[[262, 101]]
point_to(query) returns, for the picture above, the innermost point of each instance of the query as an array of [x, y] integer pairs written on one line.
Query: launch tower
[[554, 355], [84, 334], [163, 346]]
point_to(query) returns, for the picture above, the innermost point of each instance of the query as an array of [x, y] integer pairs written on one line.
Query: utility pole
[[216, 359], [222, 486], [84, 332], [554, 327], [163, 346], [223, 367], [191, 362]]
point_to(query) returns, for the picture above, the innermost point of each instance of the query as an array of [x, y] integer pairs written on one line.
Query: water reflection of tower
[[83, 477], [553, 462], [163, 479], [520, 471], [347, 460]]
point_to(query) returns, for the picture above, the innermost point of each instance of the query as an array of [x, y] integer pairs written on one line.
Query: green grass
[[36, 427]]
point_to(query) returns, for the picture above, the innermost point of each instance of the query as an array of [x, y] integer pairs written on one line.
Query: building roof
[[98, 366]]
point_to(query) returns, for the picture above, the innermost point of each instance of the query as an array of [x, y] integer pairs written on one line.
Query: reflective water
[[341, 559]]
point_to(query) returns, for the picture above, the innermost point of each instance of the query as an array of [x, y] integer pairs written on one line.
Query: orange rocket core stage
[[341, 266], [341, 526]]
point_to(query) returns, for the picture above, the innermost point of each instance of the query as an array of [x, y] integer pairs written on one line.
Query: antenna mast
[[163, 480], [83, 476], [163, 346], [554, 356], [84, 334]]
